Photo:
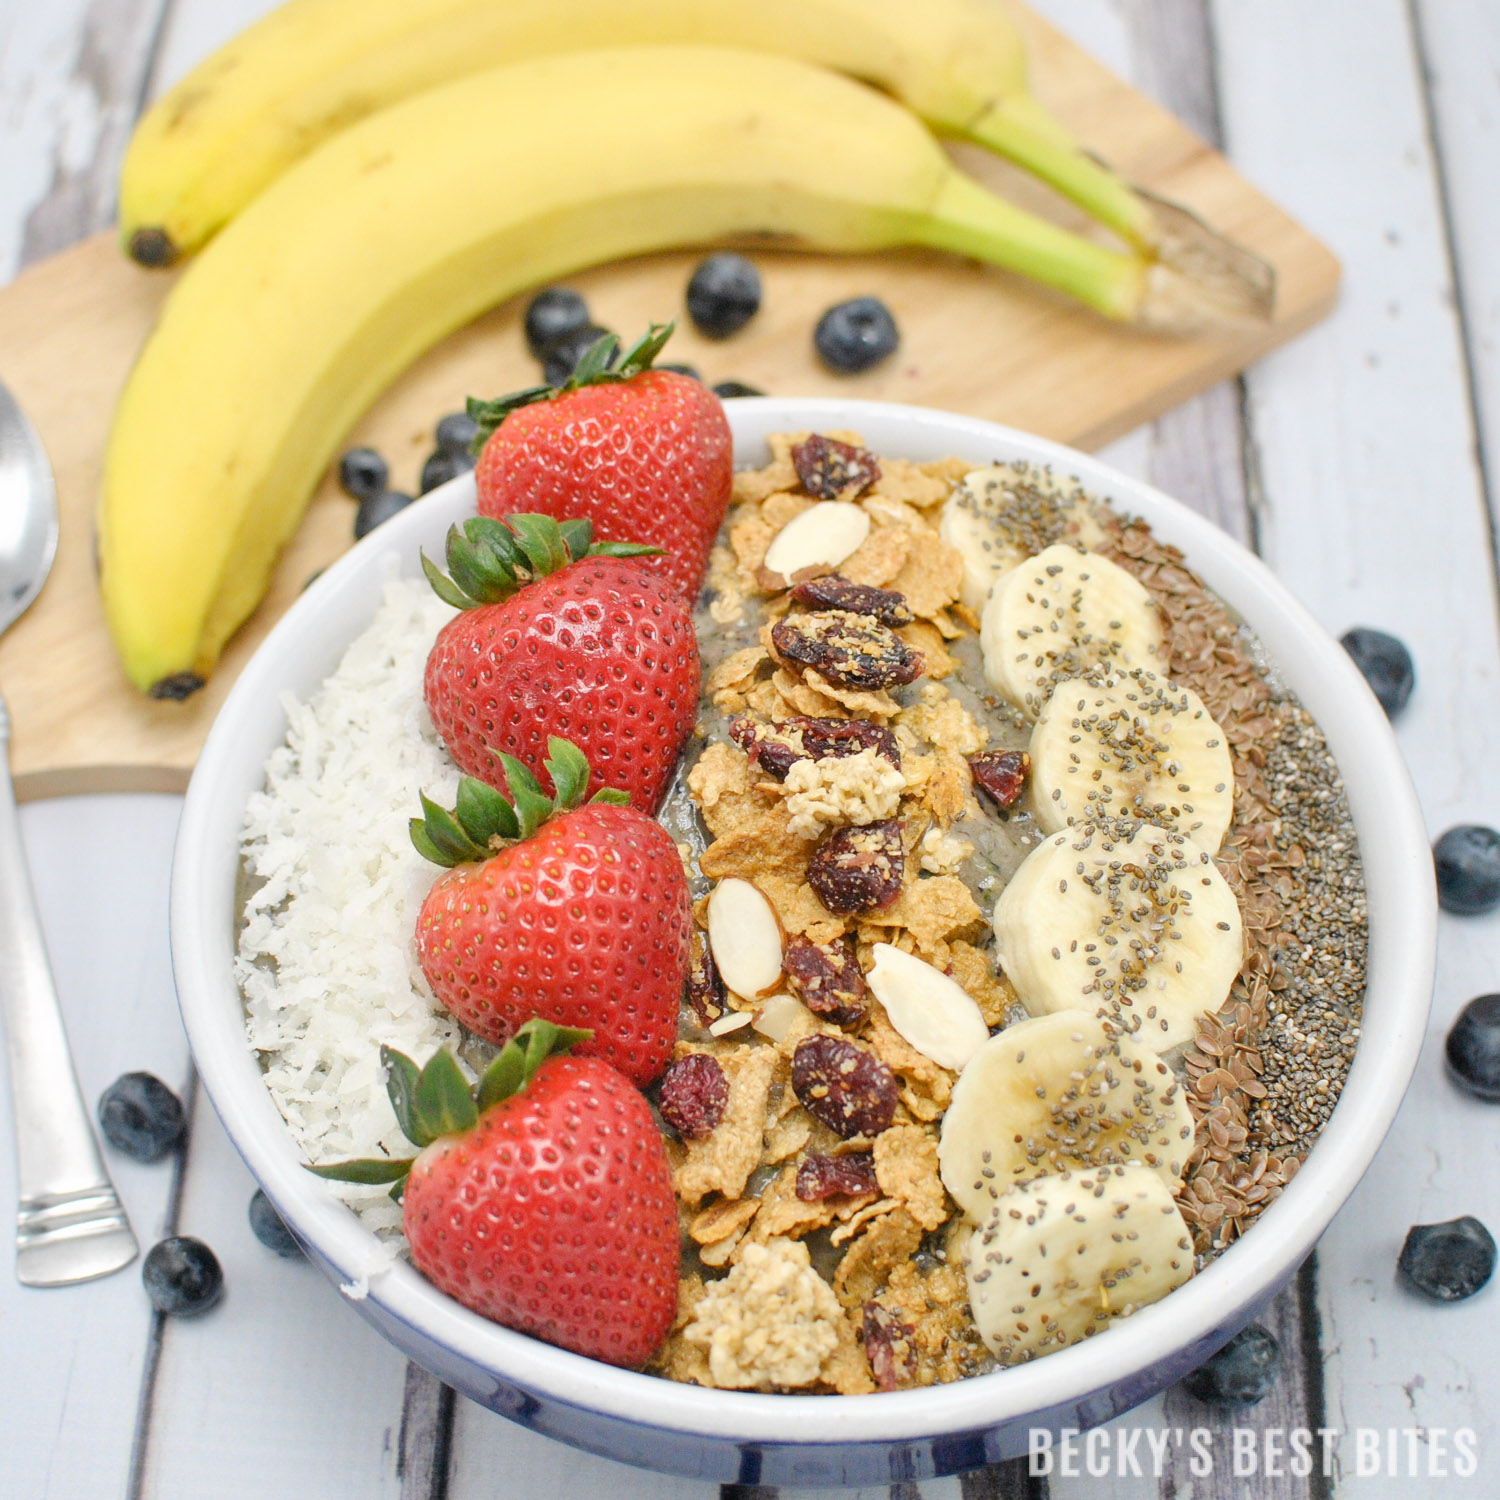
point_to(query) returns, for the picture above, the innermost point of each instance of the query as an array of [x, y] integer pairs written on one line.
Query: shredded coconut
[[773, 1321], [859, 789], [327, 957]]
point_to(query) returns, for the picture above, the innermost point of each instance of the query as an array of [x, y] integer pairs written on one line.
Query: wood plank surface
[[974, 340], [283, 1389], [74, 1358], [1376, 514], [1359, 456], [1196, 452], [72, 75]]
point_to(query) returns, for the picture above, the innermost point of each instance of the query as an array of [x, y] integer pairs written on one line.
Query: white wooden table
[[1360, 461]]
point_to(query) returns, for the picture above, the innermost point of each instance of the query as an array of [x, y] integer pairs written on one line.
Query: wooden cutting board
[[974, 340]]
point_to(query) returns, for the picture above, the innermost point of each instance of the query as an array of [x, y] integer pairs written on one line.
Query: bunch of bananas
[[364, 176]]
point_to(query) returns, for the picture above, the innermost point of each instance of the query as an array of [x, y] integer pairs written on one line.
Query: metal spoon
[[70, 1226]]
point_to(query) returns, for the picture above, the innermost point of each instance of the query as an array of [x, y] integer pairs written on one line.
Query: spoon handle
[[70, 1226]]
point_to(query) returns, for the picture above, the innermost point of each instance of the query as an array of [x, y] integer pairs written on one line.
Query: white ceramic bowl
[[790, 1439]]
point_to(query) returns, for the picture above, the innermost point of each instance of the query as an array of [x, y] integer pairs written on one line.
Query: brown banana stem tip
[[178, 686], [152, 247]]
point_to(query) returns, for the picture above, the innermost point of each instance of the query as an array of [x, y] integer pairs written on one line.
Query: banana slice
[[1058, 1258], [999, 516], [1131, 743], [1132, 920], [1058, 614], [1054, 1093]]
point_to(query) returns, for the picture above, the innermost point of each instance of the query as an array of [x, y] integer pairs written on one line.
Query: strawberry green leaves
[[480, 809], [482, 821], [439, 835], [596, 367], [370, 1172], [517, 1062], [489, 560], [436, 1100], [431, 1102], [533, 806]]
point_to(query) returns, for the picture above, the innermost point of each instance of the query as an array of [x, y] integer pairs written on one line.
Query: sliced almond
[[821, 537], [744, 934], [733, 1020], [937, 1016], [776, 1017]]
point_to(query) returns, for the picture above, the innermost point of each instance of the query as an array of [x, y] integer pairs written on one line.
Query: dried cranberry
[[705, 989], [1001, 774], [830, 470], [841, 737], [850, 650], [828, 978], [822, 1177], [693, 1095], [833, 592], [858, 869], [844, 1087], [776, 748], [889, 1349]]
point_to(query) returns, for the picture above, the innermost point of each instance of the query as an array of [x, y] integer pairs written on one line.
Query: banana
[[412, 222], [1055, 1093], [1128, 743], [999, 516], [1132, 921], [1060, 1257], [313, 67], [1060, 613]]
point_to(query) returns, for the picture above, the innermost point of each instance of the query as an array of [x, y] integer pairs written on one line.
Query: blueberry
[[854, 335], [727, 389], [1386, 664], [455, 433], [550, 315], [1474, 1047], [182, 1276], [270, 1228], [376, 509], [1448, 1261], [441, 467], [1242, 1372], [688, 370], [362, 473], [560, 357], [723, 295], [141, 1116], [1467, 859]]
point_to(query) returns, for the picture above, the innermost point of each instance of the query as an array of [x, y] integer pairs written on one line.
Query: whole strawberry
[[575, 913], [644, 454], [542, 1199], [560, 635]]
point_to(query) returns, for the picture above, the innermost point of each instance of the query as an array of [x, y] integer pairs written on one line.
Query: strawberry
[[542, 1199], [560, 636], [642, 453], [575, 913]]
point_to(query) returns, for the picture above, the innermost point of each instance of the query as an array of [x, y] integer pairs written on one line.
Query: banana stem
[[1019, 129], [970, 220]]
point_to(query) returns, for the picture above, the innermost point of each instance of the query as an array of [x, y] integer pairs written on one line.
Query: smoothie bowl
[[952, 850]]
